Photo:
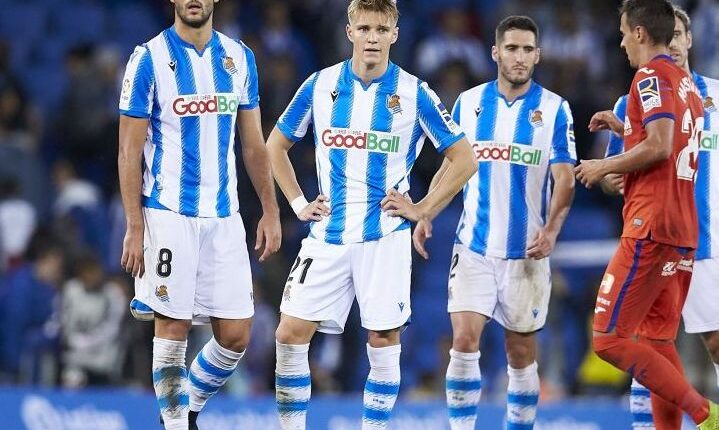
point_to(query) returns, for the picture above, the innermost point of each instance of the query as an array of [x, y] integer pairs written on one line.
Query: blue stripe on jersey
[[702, 185], [518, 211], [457, 110], [382, 119], [485, 131], [412, 151], [144, 77], [289, 123], [189, 131], [223, 84], [545, 197], [616, 143], [560, 137], [156, 125], [252, 83], [341, 117]]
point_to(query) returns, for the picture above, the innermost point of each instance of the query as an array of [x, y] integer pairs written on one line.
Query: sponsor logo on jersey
[[535, 118], [229, 64], [649, 93], [125, 94], [524, 155], [686, 86], [686, 264], [393, 104], [709, 105], [205, 104], [607, 282], [373, 141], [670, 268], [161, 293], [603, 301], [709, 141]]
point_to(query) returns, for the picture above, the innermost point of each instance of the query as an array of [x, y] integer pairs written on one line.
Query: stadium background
[[64, 327]]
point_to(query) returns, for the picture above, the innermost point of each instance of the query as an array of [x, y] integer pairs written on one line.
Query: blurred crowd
[[63, 295]]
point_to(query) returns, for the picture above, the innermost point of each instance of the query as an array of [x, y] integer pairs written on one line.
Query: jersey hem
[[657, 116], [449, 141], [249, 106], [285, 130]]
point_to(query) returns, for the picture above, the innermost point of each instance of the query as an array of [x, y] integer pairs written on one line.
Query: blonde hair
[[386, 7]]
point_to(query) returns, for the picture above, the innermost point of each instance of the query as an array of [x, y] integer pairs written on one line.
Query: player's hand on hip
[[133, 259], [613, 184], [317, 209], [422, 232], [397, 204], [542, 245], [606, 120], [589, 172], [269, 232]]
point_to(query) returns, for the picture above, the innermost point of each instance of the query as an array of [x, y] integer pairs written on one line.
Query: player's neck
[[651, 52], [368, 73], [511, 92], [199, 37]]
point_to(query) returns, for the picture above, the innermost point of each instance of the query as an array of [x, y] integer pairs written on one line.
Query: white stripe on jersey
[[507, 201], [191, 100], [367, 138]]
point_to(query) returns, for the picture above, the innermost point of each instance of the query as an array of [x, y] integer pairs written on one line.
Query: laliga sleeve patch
[[447, 118], [649, 93]]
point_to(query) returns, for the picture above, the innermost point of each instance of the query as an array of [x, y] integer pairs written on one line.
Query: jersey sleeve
[[616, 143], [563, 145], [138, 85], [293, 123], [250, 96], [656, 94], [457, 110], [434, 119]]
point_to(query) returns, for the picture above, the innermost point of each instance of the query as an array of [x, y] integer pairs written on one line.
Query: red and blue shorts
[[644, 289]]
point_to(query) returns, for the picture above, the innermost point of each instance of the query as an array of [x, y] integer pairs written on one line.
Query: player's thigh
[[171, 253], [472, 285], [382, 273], [224, 278], [319, 285], [523, 296], [701, 309]]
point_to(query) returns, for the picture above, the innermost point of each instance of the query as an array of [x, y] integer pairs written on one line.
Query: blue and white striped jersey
[[367, 138], [506, 201], [707, 187], [191, 99]]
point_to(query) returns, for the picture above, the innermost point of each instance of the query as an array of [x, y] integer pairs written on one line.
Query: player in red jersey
[[639, 303]]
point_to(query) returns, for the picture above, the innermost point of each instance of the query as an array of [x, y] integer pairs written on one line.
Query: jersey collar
[[214, 40], [385, 78], [532, 88]]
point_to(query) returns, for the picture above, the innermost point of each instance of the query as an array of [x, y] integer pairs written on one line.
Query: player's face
[[194, 13], [681, 43], [372, 34], [516, 56], [630, 44]]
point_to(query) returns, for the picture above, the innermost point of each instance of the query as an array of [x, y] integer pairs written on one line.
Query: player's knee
[[236, 341], [384, 338], [519, 354], [711, 340], [465, 341], [291, 334], [171, 329]]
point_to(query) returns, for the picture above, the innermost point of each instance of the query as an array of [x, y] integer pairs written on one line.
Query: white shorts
[[325, 279], [701, 310], [514, 292], [195, 268]]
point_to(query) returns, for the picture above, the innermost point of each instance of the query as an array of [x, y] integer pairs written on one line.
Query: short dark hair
[[683, 17], [515, 22], [656, 16]]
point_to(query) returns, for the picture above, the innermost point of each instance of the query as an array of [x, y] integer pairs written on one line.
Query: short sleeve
[[616, 143], [295, 120], [457, 110], [656, 94], [250, 96], [563, 144], [434, 119], [138, 85]]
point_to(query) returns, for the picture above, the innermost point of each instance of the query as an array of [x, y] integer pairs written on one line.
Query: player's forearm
[[257, 164], [640, 157], [562, 198], [278, 149], [439, 174], [129, 164], [456, 175]]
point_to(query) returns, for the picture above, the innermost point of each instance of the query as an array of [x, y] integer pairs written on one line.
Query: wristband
[[298, 204]]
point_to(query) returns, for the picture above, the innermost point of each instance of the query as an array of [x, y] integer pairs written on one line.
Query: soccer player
[[700, 312], [182, 95], [644, 288], [369, 121], [522, 134]]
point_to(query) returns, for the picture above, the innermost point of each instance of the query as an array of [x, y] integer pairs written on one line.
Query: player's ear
[[395, 34], [538, 56], [690, 40], [349, 32], [495, 53]]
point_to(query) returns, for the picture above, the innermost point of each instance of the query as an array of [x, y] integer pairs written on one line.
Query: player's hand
[[606, 120], [396, 204], [133, 259], [542, 245], [422, 232], [589, 172], [316, 209], [269, 232], [613, 184]]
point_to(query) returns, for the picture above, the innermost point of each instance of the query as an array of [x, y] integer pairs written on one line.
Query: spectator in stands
[[17, 224]]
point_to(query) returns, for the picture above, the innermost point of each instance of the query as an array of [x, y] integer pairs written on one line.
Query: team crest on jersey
[[393, 104], [229, 64], [709, 105], [649, 93], [161, 293], [535, 118]]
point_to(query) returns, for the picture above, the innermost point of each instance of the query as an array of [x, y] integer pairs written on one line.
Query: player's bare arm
[[613, 184], [606, 120], [562, 196], [257, 163], [133, 132], [278, 147], [461, 167], [656, 147]]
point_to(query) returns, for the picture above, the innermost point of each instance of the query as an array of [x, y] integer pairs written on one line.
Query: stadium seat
[[26, 21], [92, 27]]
